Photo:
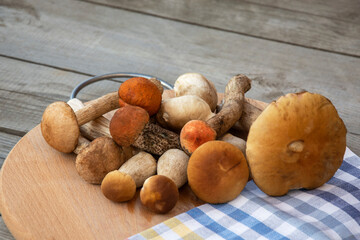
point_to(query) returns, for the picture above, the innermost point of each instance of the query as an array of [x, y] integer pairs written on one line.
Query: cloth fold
[[331, 211]]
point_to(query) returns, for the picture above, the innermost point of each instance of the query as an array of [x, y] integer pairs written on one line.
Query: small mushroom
[[231, 111], [60, 124], [141, 92], [196, 84], [217, 172], [140, 167], [118, 186], [159, 194], [173, 164], [175, 112], [100, 157], [130, 126], [298, 141]]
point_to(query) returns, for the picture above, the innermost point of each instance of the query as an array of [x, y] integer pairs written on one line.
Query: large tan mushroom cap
[[59, 127], [297, 142], [217, 172], [99, 158]]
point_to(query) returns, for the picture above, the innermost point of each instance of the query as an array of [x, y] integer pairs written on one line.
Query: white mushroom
[[196, 84]]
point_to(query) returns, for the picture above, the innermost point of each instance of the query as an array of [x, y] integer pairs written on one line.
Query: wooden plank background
[[47, 47]]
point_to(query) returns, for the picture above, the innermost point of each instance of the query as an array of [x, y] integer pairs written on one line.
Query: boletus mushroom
[[60, 124], [198, 85], [141, 92], [217, 172], [118, 186], [159, 194], [130, 126], [298, 141]]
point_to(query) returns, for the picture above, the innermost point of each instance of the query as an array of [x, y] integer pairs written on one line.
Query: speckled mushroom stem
[[97, 107], [233, 105], [157, 140]]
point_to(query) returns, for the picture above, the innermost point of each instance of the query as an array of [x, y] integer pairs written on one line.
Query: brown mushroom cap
[[100, 157], [118, 186], [159, 194], [298, 141], [217, 172], [59, 127], [139, 91], [127, 124]]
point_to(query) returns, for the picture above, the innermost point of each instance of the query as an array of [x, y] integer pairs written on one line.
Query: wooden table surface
[[48, 47]]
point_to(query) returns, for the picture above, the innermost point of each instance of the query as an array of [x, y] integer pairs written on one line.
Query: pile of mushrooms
[[142, 137]]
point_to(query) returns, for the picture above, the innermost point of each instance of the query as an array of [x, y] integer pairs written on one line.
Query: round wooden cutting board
[[43, 197]]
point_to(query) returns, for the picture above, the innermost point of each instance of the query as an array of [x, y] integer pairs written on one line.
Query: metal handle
[[89, 81]]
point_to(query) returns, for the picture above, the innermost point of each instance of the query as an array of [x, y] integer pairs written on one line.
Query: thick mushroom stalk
[[130, 126], [191, 138], [298, 141], [60, 124]]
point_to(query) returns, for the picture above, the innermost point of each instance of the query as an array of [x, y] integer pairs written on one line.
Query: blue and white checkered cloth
[[331, 211]]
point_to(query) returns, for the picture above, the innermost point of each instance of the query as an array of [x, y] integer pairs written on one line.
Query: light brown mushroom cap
[[159, 194], [127, 124], [297, 142], [118, 186], [100, 157], [217, 172], [59, 127]]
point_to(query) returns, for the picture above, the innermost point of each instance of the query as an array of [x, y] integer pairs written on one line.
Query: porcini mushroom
[[298, 141], [175, 112], [60, 124], [217, 172], [100, 157], [236, 141], [222, 121], [196, 84], [140, 167], [130, 126], [159, 194], [118, 186], [141, 92], [173, 164]]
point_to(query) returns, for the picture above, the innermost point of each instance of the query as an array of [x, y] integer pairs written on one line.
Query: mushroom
[[130, 126], [159, 194], [140, 167], [217, 172], [175, 112], [60, 124], [191, 138], [101, 156], [173, 164], [141, 92], [196, 84], [298, 141], [118, 186]]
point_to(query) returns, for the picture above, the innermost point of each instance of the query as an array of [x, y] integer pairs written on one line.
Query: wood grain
[[280, 21], [40, 188]]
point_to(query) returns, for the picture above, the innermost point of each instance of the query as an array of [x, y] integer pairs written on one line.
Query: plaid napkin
[[331, 211]]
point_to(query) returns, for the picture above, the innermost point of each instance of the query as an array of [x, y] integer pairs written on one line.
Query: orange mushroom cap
[[195, 133], [127, 124], [298, 141], [139, 91]]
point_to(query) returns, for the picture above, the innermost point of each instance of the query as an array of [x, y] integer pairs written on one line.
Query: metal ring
[[89, 81]]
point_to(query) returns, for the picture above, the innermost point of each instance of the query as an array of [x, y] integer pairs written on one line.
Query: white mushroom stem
[[140, 167], [173, 164]]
